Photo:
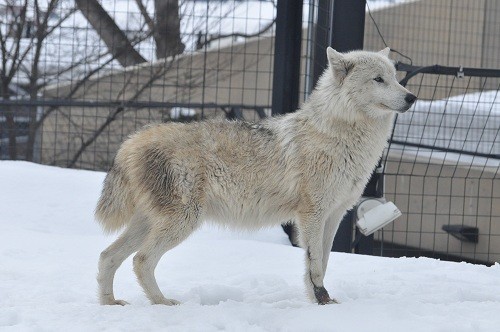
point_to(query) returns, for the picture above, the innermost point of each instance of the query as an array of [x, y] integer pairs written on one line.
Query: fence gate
[[442, 165]]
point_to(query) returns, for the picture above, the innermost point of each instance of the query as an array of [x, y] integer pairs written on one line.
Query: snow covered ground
[[49, 245]]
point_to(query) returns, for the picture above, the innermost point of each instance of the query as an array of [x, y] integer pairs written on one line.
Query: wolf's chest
[[347, 165]]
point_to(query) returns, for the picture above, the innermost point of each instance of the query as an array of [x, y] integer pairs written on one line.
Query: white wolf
[[310, 166]]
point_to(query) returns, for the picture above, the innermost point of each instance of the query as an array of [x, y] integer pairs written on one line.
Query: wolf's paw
[[168, 302], [322, 296], [115, 302], [330, 301]]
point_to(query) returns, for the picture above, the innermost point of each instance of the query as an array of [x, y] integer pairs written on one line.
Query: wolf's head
[[367, 82]]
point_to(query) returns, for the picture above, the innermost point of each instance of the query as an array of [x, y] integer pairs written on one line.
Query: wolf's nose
[[410, 98]]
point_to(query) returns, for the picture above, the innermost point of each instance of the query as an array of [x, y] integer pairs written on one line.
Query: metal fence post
[[286, 73], [341, 24]]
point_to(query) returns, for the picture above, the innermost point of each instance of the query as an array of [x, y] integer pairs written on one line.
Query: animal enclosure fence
[[442, 166]]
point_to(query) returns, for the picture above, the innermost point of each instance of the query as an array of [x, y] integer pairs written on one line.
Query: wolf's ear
[[385, 52], [338, 64]]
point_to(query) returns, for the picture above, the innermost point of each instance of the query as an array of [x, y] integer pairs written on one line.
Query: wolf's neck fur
[[329, 123], [331, 112]]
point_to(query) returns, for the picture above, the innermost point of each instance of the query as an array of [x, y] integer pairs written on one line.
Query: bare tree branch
[[17, 45], [3, 50], [149, 21], [201, 43], [61, 20], [114, 38]]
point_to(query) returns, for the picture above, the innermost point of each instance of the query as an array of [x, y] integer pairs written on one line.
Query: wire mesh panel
[[442, 169]]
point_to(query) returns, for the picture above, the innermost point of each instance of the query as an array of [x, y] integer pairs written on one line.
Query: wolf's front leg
[[311, 229], [331, 226]]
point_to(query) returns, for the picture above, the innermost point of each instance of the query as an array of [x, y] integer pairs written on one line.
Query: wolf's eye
[[379, 79]]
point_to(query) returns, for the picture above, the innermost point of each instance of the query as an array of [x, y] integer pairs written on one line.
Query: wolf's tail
[[115, 207]]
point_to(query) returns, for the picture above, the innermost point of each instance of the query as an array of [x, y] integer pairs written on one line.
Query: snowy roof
[[240, 73]]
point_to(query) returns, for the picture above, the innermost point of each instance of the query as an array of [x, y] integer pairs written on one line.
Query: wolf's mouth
[[404, 109], [384, 106], [399, 110]]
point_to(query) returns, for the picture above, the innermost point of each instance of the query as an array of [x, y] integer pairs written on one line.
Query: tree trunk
[[11, 132], [10, 124], [33, 92], [114, 38], [167, 33]]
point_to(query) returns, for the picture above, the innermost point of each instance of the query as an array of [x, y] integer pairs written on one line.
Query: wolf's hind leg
[[163, 237], [113, 256]]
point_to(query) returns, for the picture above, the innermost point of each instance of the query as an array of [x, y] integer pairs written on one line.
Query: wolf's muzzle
[[409, 99]]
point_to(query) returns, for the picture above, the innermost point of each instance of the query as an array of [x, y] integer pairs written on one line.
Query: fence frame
[[398, 250]]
